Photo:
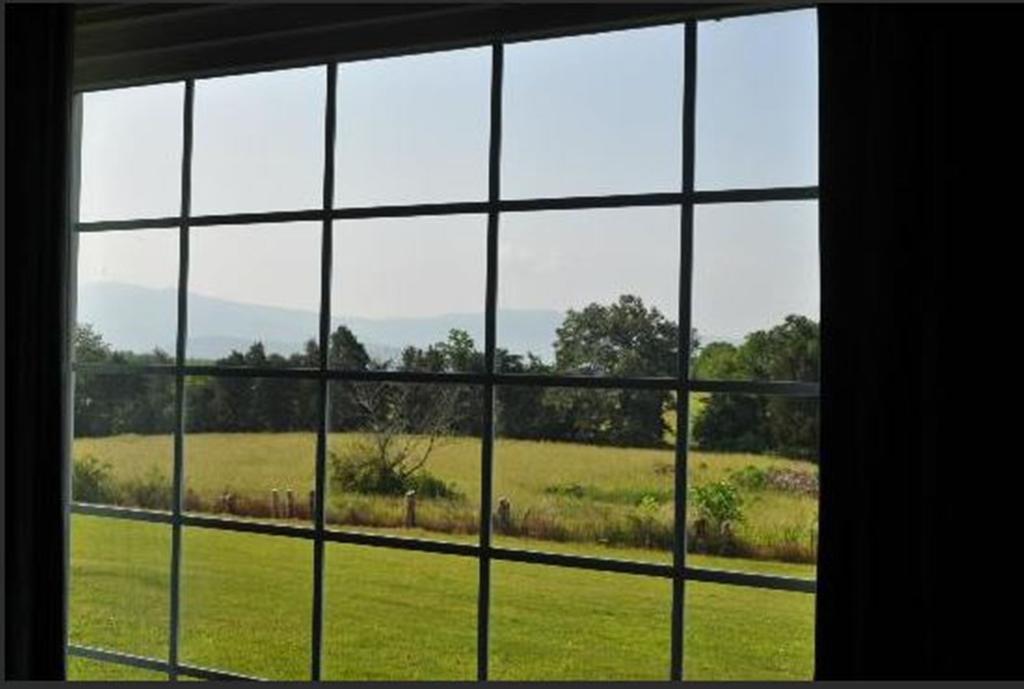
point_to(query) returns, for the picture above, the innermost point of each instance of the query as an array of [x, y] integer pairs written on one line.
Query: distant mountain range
[[139, 319]]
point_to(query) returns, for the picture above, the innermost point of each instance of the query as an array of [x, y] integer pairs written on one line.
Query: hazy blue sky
[[587, 115]]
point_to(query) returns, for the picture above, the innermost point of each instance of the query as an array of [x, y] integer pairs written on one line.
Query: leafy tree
[[397, 436], [521, 411], [88, 345], [624, 338], [789, 351], [719, 361], [345, 351], [621, 339], [732, 423], [746, 423], [232, 399], [305, 392]]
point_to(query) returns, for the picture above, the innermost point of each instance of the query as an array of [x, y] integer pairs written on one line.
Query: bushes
[[152, 491], [750, 477], [719, 507], [366, 473], [93, 482], [719, 503]]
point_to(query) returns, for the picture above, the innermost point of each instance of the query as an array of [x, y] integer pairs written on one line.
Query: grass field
[[246, 602], [570, 496], [246, 598]]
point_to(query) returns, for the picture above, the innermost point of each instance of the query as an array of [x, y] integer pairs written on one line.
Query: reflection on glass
[[743, 633], [127, 284], [413, 129], [753, 477], [254, 295], [393, 615], [405, 458], [123, 448], [585, 470], [609, 279], [755, 270], [131, 153], [246, 603], [259, 142], [409, 282], [552, 623], [757, 101], [251, 446], [596, 114], [120, 575]]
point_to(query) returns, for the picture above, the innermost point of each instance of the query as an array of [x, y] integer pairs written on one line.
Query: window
[[497, 362]]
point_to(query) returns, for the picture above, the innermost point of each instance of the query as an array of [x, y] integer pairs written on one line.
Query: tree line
[[624, 338]]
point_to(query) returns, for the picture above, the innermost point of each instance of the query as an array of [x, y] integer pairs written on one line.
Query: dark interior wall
[[884, 215], [125, 45], [38, 111], [916, 577]]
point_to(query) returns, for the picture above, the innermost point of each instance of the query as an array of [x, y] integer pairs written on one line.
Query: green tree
[[789, 351], [624, 338], [232, 399], [522, 410], [456, 354], [719, 361], [89, 346], [747, 423], [344, 351]]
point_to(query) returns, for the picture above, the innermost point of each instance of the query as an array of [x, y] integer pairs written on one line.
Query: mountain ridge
[[142, 318]]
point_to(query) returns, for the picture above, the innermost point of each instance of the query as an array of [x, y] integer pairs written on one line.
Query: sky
[[595, 114]]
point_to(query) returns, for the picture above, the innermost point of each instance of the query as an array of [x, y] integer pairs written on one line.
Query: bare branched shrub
[[399, 428]]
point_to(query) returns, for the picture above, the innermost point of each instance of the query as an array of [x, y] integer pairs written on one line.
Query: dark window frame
[[686, 199]]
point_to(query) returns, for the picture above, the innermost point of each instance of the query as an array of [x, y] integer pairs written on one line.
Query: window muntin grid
[[684, 201]]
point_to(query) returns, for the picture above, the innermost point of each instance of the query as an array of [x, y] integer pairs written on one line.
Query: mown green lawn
[[246, 605]]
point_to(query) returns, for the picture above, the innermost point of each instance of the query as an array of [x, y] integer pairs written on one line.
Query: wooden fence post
[[290, 497], [410, 508], [275, 504], [504, 515]]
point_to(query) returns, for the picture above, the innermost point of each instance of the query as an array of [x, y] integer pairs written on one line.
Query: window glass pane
[[757, 101], [120, 576], [744, 633], [88, 670], [246, 603], [553, 623], [753, 477], [127, 284], [251, 446], [408, 282], [597, 114], [394, 615], [254, 295], [259, 142], [131, 153], [609, 278], [585, 470], [388, 439], [756, 290], [413, 129], [124, 445]]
